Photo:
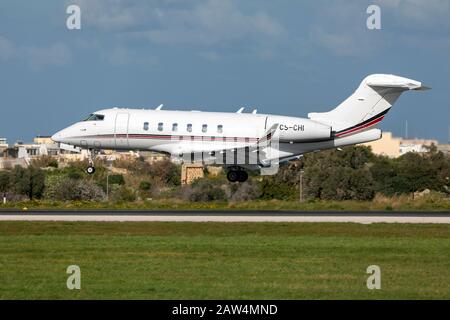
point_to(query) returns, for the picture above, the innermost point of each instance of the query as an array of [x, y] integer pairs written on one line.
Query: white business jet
[[240, 141]]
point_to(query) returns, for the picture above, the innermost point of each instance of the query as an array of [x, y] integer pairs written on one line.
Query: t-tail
[[368, 105]]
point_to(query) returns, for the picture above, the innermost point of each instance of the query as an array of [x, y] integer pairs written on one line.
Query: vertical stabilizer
[[367, 105]]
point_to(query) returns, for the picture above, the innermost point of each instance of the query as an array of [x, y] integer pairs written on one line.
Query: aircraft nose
[[58, 136]]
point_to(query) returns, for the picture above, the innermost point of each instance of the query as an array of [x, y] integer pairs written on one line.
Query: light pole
[[108, 167], [301, 185], [107, 184]]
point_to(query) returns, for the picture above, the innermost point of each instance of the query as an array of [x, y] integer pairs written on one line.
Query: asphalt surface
[[226, 216]]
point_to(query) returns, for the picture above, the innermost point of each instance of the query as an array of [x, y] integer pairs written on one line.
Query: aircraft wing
[[253, 152]]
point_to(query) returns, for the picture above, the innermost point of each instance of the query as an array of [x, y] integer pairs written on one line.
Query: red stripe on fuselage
[[172, 137], [364, 126]]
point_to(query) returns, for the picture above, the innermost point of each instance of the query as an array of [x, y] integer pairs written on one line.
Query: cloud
[[172, 22], [340, 28], [36, 57], [117, 15], [217, 29], [416, 24], [210, 55], [430, 13], [6, 48], [341, 44], [213, 22], [56, 54], [121, 56]]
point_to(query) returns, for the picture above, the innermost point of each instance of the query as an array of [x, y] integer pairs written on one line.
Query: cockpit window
[[95, 117]]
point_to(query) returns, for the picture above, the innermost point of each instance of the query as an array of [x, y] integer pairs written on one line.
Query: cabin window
[[95, 117], [160, 126], [219, 128], [175, 127], [189, 128], [145, 126], [204, 128]]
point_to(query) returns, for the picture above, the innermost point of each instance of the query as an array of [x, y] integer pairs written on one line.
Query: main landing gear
[[91, 156], [237, 175]]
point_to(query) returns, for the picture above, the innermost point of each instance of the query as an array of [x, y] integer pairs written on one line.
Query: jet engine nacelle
[[299, 129]]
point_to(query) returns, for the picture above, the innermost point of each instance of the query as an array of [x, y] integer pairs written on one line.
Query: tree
[[361, 185], [339, 175], [29, 181], [5, 181], [411, 172]]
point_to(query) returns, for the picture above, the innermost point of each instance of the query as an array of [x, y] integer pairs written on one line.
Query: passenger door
[[121, 130]]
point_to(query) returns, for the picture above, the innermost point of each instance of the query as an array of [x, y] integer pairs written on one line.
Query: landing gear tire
[[90, 170], [232, 175], [243, 176], [237, 175]]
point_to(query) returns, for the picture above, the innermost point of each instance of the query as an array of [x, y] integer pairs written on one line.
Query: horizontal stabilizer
[[391, 81]]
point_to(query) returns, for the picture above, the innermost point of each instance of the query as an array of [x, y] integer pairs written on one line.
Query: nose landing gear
[[237, 175], [91, 156]]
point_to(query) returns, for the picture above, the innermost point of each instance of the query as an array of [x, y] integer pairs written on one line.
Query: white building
[[394, 147]]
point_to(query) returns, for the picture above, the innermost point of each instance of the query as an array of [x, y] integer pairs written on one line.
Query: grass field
[[223, 260]]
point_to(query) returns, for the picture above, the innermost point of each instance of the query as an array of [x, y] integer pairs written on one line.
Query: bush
[[162, 173], [45, 162], [272, 189], [63, 188], [145, 185], [74, 174], [87, 190], [116, 179], [124, 193], [167, 172], [338, 183], [204, 190], [246, 191]]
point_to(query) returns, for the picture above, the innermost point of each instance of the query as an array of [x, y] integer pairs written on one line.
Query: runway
[[228, 216]]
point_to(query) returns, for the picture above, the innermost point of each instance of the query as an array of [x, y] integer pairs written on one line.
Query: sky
[[280, 57]]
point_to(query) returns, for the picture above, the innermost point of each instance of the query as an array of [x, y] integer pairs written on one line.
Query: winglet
[[159, 107], [240, 110]]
